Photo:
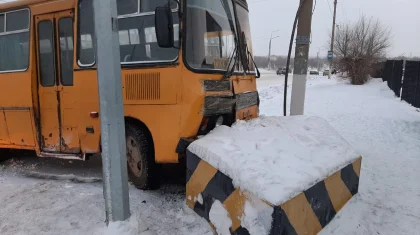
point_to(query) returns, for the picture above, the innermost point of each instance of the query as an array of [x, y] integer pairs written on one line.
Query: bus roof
[[8, 4]]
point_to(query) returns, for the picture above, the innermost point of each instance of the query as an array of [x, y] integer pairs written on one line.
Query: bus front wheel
[[142, 169]]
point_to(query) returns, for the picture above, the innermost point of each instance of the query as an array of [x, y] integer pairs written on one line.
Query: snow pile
[[276, 158], [257, 216], [131, 227], [219, 217]]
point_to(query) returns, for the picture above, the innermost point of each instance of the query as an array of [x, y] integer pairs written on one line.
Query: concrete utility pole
[[332, 38], [114, 157], [300, 70]]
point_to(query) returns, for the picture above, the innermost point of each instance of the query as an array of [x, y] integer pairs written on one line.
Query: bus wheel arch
[[143, 170]]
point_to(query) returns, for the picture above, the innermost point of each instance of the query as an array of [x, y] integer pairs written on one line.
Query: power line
[[343, 4], [329, 5]]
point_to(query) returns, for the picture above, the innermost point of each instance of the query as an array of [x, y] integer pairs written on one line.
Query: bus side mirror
[[164, 27]]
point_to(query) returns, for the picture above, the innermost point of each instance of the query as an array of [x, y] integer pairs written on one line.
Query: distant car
[[281, 71], [314, 72], [326, 72]]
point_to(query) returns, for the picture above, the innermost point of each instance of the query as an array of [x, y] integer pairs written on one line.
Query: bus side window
[[14, 38], [136, 33], [1, 23], [86, 37]]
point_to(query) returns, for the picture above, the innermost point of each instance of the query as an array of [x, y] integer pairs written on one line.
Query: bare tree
[[261, 61], [280, 61], [360, 45]]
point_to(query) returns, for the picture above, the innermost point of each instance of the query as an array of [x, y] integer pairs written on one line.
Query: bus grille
[[142, 86]]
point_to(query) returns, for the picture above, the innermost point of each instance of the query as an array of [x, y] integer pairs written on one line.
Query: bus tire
[[141, 165]]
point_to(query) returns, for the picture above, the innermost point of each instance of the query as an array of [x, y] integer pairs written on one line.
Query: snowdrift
[[271, 175]]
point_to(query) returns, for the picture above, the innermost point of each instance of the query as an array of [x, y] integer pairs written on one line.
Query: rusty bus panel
[[19, 125], [4, 134]]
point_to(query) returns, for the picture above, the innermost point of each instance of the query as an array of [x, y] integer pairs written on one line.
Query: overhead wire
[[343, 4], [329, 6], [289, 56]]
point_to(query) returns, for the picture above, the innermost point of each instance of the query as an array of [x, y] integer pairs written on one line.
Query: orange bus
[[49, 99]]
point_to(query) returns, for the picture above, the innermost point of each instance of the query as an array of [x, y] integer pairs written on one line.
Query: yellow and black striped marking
[[307, 213]]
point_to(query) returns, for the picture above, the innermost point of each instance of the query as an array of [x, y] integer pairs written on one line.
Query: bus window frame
[[184, 44], [79, 43], [154, 62], [27, 30], [134, 64]]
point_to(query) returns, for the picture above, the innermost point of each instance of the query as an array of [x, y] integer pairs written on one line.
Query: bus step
[[67, 156]]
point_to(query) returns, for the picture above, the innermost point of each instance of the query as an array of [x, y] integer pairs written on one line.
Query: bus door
[[57, 96]]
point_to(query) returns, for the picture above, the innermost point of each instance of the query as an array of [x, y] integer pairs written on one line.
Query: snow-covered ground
[[386, 132], [383, 129]]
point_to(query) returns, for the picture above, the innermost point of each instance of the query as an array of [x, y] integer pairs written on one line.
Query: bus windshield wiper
[[249, 57], [234, 56]]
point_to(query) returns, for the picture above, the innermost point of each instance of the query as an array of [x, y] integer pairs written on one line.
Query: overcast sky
[[402, 16]]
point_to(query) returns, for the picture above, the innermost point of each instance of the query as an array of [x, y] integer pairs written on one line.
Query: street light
[[317, 58], [269, 47]]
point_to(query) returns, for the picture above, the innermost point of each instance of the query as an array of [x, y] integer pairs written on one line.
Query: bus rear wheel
[[141, 165]]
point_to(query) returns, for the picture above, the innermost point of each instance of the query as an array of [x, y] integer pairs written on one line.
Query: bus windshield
[[210, 28], [243, 21]]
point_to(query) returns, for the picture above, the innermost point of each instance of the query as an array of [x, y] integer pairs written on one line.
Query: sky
[[401, 16]]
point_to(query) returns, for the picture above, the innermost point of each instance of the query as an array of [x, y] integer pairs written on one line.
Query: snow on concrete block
[[299, 167], [219, 217]]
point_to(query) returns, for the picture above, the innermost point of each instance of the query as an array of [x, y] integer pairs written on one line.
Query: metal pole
[[300, 70], [317, 61], [332, 37], [114, 160], [269, 48], [269, 54]]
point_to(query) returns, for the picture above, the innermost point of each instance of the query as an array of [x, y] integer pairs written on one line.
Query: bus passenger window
[[126, 7], [14, 38], [85, 46], [150, 5], [138, 42], [137, 34], [17, 20], [46, 53], [1, 23], [66, 50]]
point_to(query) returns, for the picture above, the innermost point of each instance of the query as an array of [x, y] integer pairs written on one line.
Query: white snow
[[276, 158], [130, 227], [219, 217], [49, 207], [386, 131], [257, 216], [200, 199], [383, 129]]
